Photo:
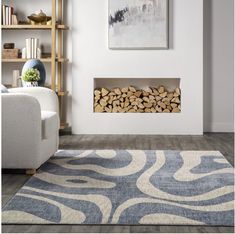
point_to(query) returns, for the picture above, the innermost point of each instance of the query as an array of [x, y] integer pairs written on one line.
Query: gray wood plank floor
[[223, 142]]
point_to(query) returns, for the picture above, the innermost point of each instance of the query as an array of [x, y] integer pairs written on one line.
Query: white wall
[[92, 58], [218, 54], [219, 65]]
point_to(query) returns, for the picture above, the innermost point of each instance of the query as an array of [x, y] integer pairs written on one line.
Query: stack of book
[[32, 50], [8, 17]]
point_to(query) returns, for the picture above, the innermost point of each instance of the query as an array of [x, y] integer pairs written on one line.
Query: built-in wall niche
[[137, 95]]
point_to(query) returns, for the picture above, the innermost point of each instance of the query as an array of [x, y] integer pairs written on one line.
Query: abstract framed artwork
[[138, 24]]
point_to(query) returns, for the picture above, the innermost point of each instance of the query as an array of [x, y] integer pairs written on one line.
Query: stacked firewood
[[133, 100]]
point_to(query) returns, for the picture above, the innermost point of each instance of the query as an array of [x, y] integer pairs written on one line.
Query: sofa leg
[[31, 171]]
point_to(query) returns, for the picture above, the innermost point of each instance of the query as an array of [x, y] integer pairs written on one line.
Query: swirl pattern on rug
[[127, 187]]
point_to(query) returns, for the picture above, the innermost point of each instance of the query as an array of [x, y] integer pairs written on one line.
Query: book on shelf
[[8, 17], [32, 47], [3, 15], [32, 50], [28, 48], [10, 13], [36, 45]]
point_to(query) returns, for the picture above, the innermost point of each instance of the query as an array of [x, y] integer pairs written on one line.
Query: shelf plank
[[62, 27], [33, 27], [62, 93], [62, 60], [63, 126], [26, 26], [59, 93], [44, 60], [21, 60]]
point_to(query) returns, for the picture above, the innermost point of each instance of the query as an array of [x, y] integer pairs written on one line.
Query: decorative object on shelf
[[36, 64], [23, 53], [10, 53], [16, 81], [39, 18], [9, 46], [19, 82], [133, 100], [49, 22], [30, 77], [138, 24], [32, 50], [24, 22], [14, 19]]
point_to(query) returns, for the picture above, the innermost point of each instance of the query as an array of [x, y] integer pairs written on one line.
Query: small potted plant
[[30, 78]]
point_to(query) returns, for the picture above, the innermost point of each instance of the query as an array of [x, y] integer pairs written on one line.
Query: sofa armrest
[[47, 98], [21, 130]]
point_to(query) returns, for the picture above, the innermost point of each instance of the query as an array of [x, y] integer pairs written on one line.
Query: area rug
[[127, 187]]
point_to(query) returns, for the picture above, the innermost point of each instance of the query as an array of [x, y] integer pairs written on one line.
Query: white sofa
[[30, 127]]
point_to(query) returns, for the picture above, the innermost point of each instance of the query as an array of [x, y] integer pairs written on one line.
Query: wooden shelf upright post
[[53, 46]]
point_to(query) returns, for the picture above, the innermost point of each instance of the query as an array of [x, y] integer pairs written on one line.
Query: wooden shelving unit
[[56, 57]]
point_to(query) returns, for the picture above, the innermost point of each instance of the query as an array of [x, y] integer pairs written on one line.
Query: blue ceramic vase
[[36, 64]]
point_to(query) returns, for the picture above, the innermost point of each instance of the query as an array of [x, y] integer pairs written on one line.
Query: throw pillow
[[4, 89]]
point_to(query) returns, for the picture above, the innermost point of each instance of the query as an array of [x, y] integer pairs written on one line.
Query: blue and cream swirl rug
[[127, 187]]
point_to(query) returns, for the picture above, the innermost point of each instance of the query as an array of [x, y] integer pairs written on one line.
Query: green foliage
[[31, 75]]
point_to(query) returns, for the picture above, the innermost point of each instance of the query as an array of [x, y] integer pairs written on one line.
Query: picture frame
[[138, 24]]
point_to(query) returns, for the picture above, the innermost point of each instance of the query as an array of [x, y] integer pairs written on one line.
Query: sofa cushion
[[4, 89], [50, 124]]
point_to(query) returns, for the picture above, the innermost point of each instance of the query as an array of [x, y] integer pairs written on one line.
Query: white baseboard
[[219, 127]]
